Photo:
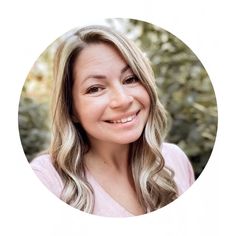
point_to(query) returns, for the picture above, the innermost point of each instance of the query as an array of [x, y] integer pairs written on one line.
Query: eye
[[94, 89], [131, 80]]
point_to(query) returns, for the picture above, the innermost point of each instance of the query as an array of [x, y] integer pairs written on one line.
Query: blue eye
[[131, 80]]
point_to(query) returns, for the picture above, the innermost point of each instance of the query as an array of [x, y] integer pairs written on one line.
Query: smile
[[123, 120]]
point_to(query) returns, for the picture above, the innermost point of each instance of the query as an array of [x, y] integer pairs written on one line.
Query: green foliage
[[33, 126], [184, 88]]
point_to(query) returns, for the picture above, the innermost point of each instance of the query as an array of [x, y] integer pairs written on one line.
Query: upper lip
[[120, 117]]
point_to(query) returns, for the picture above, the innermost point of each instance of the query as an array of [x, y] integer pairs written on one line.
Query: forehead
[[97, 58]]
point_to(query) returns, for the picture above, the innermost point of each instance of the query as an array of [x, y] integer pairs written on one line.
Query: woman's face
[[108, 99]]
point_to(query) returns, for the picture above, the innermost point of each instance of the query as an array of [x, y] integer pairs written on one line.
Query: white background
[[27, 28]]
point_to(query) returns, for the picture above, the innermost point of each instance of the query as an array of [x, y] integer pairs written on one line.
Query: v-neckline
[[92, 179]]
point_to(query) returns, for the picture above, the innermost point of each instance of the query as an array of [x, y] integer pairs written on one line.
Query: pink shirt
[[105, 205]]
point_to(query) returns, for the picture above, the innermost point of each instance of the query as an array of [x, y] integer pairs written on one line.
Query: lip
[[118, 119]]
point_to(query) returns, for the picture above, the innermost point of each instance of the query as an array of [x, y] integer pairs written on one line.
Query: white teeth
[[124, 120], [129, 118]]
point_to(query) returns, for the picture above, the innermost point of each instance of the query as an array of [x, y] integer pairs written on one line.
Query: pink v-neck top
[[105, 205]]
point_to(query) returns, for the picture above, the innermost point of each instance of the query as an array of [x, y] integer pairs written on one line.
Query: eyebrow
[[97, 76]]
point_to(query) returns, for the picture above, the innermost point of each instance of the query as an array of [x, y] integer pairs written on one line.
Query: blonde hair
[[153, 181]]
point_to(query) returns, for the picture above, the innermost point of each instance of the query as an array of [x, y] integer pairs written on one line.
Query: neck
[[114, 156]]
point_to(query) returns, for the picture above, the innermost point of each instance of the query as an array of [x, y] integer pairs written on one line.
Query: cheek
[[144, 98], [89, 109]]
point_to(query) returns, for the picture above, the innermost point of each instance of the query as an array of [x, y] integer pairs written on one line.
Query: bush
[[33, 126]]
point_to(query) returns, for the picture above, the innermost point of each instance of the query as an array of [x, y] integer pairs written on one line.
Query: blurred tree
[[33, 126], [33, 115]]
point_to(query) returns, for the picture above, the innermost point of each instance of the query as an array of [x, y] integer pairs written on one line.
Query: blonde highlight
[[154, 183]]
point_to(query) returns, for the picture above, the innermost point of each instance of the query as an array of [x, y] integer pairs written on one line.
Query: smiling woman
[[107, 155], [119, 102]]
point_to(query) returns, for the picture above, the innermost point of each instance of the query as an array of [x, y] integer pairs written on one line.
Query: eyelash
[[91, 89], [133, 79]]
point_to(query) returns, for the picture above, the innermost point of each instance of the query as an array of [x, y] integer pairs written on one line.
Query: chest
[[117, 193]]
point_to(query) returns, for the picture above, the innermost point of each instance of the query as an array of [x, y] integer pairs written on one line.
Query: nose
[[120, 98]]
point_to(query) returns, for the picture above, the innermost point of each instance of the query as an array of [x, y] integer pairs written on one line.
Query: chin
[[128, 140]]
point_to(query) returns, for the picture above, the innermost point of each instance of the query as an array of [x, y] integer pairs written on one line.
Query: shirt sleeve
[[47, 174]]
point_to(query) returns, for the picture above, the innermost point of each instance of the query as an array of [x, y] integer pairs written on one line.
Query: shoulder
[[43, 164], [41, 161], [173, 153], [177, 160], [47, 174]]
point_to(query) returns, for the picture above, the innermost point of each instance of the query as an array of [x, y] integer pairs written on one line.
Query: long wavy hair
[[153, 181]]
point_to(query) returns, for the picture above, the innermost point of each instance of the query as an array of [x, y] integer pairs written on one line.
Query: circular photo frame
[[118, 119]]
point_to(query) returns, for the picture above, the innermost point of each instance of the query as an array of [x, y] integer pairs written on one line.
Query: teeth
[[129, 118], [124, 120]]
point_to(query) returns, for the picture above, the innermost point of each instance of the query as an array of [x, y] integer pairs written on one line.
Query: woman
[[107, 155]]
